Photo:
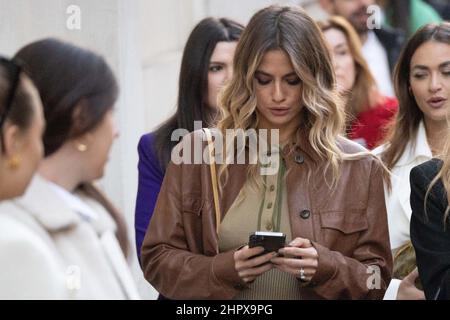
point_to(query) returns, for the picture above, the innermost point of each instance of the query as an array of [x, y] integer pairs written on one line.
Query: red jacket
[[370, 127]]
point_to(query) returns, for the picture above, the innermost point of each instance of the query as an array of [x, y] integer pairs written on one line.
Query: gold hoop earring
[[82, 147], [14, 162]]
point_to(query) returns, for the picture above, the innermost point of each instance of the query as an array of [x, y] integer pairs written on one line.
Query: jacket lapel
[[46, 207]]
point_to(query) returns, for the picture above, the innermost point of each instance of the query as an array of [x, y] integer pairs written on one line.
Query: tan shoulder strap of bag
[[215, 185]]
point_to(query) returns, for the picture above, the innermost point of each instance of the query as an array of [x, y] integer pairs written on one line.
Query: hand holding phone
[[270, 241]]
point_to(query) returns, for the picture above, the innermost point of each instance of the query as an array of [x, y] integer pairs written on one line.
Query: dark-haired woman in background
[[206, 65], [72, 241]]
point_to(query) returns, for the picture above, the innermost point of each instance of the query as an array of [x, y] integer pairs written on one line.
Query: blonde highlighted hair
[[289, 29]]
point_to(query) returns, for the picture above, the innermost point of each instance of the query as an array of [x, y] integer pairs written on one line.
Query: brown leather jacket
[[348, 228]]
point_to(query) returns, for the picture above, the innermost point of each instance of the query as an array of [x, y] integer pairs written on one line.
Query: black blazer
[[392, 41], [428, 235]]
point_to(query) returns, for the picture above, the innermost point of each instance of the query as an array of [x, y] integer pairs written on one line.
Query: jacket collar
[[47, 207], [75, 203], [238, 176], [416, 148]]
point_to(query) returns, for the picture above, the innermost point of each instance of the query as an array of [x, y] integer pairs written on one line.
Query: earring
[[82, 147], [14, 162]]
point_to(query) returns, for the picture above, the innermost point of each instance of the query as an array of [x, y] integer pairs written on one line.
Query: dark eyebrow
[[216, 62], [421, 67], [269, 75]]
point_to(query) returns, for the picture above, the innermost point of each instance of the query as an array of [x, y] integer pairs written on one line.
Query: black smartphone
[[270, 241]]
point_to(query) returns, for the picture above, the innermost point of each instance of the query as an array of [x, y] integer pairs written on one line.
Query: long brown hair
[[359, 97], [409, 116], [75, 84]]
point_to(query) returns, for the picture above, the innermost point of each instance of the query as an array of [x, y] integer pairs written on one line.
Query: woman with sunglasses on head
[[73, 242], [322, 191], [22, 126]]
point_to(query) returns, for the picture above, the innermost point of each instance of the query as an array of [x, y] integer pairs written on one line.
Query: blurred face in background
[[220, 69], [430, 80], [343, 62], [355, 11]]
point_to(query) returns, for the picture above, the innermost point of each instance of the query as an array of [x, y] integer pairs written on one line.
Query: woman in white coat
[[21, 129], [63, 239], [422, 84]]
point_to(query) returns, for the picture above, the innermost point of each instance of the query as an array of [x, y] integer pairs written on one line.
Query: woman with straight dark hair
[[206, 65], [76, 240]]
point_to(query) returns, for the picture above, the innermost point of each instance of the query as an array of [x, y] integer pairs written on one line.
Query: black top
[[431, 239]]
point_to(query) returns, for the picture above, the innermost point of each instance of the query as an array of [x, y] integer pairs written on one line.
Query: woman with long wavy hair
[[430, 181], [323, 192]]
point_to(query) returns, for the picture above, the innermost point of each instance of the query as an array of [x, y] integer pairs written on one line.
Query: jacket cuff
[[224, 271], [326, 268], [392, 290]]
